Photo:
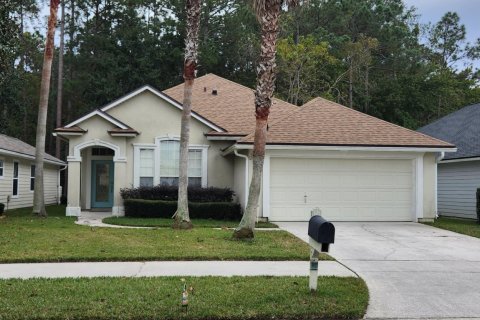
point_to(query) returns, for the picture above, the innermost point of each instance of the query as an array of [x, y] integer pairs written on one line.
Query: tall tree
[[193, 9], [58, 122], [268, 14], [38, 195]]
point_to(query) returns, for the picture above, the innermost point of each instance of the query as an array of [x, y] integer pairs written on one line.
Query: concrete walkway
[[169, 268], [413, 271], [94, 219]]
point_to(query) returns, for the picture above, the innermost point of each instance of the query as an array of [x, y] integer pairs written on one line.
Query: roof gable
[[323, 122], [232, 106], [101, 114], [104, 114], [461, 128]]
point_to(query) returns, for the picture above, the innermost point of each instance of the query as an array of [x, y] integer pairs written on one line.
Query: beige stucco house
[[17, 174], [351, 166]]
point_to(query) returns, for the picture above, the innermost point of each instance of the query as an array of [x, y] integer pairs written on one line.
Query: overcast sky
[[468, 10]]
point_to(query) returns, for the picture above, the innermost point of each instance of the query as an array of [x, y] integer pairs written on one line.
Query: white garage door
[[344, 190]]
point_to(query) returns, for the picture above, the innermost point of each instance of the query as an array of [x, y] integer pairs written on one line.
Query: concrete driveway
[[412, 271]]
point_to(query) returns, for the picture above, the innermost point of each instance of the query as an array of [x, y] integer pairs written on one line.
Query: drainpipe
[[438, 158], [246, 173]]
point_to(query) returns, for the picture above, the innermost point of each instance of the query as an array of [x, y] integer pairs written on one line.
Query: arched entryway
[[95, 178]]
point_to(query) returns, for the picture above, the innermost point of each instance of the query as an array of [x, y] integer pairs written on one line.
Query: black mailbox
[[321, 231]]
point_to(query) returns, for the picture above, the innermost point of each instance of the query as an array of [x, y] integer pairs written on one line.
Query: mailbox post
[[321, 234]]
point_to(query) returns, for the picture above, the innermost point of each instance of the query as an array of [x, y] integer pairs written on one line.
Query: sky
[[468, 10]]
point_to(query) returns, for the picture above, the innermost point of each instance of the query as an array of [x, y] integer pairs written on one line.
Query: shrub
[[170, 193], [478, 205], [2, 207], [139, 208]]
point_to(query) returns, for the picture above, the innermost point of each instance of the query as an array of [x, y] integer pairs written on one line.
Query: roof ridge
[[372, 117], [238, 85], [450, 115]]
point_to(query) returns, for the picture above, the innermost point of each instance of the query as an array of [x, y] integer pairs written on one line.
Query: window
[[99, 151], [169, 164], [159, 163], [32, 177], [15, 180], [169, 157], [146, 167], [1, 168], [195, 168]]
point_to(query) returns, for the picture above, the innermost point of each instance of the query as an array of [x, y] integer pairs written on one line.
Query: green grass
[[159, 298], [26, 238], [464, 226], [166, 223]]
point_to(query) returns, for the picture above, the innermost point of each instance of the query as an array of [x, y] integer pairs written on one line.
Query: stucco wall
[[153, 118], [429, 189], [25, 196]]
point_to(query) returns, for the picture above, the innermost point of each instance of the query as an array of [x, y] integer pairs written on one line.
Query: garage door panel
[[344, 189]]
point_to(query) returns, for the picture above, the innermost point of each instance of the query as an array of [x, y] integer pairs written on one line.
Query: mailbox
[[322, 234]]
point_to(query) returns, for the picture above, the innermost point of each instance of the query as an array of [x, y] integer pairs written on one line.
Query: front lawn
[[464, 226], [159, 298], [25, 238], [166, 223]]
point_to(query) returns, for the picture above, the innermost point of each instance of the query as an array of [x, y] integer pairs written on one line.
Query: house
[[458, 172], [352, 166], [17, 174]]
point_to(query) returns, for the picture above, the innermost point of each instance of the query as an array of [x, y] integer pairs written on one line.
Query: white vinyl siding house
[[17, 174], [458, 172], [21, 183], [457, 186]]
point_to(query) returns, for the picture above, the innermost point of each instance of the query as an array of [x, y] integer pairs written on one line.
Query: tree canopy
[[372, 55]]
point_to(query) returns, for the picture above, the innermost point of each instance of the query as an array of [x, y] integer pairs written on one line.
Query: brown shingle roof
[[18, 146], [75, 129], [322, 122], [232, 108]]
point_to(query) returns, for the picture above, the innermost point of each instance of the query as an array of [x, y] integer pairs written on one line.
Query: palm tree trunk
[[263, 100], [193, 7], [60, 80], [38, 195]]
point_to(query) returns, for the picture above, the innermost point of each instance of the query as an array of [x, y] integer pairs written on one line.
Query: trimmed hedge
[[478, 205], [2, 208], [140, 208], [170, 193]]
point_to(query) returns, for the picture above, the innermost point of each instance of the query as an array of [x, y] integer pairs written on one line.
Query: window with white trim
[[1, 168], [32, 177], [169, 157], [146, 169], [15, 179], [195, 167], [169, 164], [159, 163]]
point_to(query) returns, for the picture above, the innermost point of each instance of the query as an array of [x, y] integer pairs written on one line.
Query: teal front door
[[102, 183]]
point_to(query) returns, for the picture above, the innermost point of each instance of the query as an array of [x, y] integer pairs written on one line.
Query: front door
[[102, 183]]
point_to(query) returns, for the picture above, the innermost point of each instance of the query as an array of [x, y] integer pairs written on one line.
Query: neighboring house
[[352, 166], [458, 172], [17, 174]]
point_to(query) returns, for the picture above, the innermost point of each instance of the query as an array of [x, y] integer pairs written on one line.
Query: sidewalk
[[169, 268]]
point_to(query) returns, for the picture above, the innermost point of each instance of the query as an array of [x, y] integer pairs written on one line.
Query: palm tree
[[268, 14], [193, 8], [38, 195]]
